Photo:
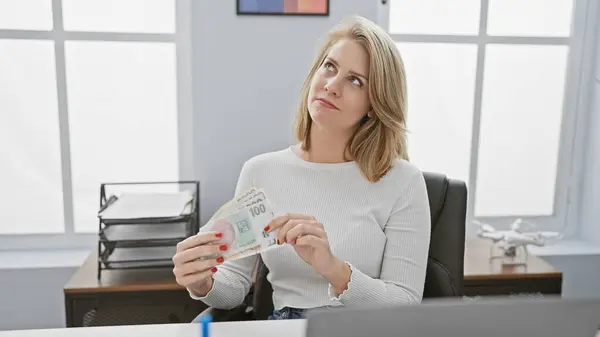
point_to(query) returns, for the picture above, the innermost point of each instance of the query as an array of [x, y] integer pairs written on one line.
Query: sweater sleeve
[[404, 264], [233, 279]]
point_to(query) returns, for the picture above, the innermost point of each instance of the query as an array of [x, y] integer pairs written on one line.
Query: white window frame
[[70, 239], [580, 74]]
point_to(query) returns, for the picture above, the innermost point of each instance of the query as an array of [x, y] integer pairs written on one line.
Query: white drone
[[510, 240]]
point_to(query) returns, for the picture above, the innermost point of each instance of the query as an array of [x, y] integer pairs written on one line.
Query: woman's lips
[[327, 103]]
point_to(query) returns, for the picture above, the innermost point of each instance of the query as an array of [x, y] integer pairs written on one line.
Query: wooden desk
[[132, 297], [126, 297], [484, 277]]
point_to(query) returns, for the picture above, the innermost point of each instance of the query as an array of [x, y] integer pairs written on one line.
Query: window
[[91, 91], [30, 173], [493, 91]]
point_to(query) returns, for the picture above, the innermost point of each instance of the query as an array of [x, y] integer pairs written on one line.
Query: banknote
[[242, 221], [238, 202]]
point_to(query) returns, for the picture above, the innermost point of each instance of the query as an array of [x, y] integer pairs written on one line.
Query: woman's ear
[[370, 113]]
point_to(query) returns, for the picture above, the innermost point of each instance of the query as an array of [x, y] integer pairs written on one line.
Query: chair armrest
[[239, 313]]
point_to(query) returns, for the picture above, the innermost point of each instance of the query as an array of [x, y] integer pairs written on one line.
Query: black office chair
[[444, 277]]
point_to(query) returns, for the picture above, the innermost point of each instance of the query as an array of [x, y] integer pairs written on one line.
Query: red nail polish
[[278, 242], [219, 235], [214, 269], [220, 259], [223, 247], [267, 228]]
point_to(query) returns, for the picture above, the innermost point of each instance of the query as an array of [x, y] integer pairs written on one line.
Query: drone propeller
[[516, 225], [484, 227], [487, 228], [550, 235]]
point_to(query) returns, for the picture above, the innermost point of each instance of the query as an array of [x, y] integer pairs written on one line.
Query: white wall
[[33, 298], [581, 274], [247, 74]]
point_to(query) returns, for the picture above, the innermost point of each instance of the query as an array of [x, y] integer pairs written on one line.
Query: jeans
[[288, 313]]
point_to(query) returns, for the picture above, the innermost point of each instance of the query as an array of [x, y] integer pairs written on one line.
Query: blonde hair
[[379, 140]]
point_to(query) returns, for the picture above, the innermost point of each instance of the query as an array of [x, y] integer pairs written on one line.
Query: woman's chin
[[320, 120], [322, 115]]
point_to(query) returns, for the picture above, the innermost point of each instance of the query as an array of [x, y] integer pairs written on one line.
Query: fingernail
[[278, 242], [267, 228], [214, 269], [219, 235], [223, 247], [220, 259]]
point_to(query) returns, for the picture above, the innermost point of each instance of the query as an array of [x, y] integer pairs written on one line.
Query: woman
[[358, 226]]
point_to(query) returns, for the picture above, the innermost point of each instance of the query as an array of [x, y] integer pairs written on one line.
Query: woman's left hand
[[308, 238]]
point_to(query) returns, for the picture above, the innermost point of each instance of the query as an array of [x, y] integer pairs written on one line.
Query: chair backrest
[[445, 265], [444, 278]]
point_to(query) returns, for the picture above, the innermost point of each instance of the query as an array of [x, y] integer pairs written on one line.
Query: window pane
[[30, 173], [530, 17], [130, 16], [456, 17], [520, 129], [123, 118], [441, 82], [26, 14]]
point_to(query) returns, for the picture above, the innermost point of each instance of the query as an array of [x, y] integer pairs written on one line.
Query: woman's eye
[[356, 81], [328, 66]]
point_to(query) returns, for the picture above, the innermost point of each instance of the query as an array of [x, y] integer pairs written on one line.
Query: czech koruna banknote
[[242, 221]]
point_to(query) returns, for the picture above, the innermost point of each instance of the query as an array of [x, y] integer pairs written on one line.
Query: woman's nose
[[333, 87]]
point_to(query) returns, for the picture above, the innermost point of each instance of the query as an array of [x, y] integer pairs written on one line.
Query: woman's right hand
[[196, 260]]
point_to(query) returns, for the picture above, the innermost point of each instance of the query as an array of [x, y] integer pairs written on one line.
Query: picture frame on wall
[[283, 7]]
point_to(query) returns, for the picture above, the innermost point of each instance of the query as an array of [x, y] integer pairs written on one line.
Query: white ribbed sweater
[[380, 229]]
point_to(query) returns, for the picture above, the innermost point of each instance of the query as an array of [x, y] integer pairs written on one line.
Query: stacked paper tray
[[140, 257], [147, 207], [140, 228], [130, 234]]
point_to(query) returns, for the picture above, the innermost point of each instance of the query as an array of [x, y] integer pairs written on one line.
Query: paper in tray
[[145, 232], [148, 205]]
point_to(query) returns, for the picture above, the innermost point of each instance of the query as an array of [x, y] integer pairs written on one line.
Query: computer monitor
[[502, 317]]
